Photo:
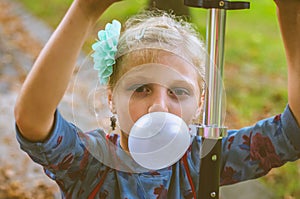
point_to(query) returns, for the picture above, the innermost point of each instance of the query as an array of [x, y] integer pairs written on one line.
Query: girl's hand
[[92, 9], [287, 3]]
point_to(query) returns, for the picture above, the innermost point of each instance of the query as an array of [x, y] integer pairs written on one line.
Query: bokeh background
[[255, 79]]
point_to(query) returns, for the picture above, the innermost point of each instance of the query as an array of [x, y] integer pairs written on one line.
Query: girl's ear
[[202, 99], [199, 110], [110, 101]]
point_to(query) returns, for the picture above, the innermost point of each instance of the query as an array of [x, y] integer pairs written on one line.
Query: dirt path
[[17, 50]]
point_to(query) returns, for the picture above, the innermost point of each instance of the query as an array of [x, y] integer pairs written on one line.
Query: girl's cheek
[[189, 110], [136, 109]]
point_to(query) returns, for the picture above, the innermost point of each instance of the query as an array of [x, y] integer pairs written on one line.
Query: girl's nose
[[159, 101], [157, 108]]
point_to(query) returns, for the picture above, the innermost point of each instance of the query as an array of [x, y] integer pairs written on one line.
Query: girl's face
[[168, 85]]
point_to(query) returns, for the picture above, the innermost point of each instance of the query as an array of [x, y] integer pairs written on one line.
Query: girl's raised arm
[[48, 79], [289, 20]]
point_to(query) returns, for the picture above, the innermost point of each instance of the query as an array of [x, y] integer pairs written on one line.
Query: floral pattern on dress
[[277, 121], [161, 192], [230, 141], [229, 176], [263, 151], [188, 195]]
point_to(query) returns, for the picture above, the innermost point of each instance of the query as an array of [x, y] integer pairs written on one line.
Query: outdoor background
[[255, 78]]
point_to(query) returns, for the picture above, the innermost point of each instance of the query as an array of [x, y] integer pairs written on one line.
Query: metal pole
[[212, 129], [215, 37]]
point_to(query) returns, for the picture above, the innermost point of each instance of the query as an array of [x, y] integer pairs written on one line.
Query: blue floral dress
[[246, 154]]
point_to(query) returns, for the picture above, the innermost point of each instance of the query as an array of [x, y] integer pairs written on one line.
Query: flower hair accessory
[[105, 50]]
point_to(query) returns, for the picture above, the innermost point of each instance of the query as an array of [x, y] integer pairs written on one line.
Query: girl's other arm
[[288, 12], [48, 79]]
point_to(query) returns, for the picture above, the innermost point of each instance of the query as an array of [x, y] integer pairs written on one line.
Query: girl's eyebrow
[[183, 83], [166, 82], [139, 79]]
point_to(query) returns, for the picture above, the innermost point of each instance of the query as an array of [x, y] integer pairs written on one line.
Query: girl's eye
[[142, 89], [179, 91], [139, 88]]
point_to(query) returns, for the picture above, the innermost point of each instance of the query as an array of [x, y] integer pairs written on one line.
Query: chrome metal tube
[[212, 130], [215, 37]]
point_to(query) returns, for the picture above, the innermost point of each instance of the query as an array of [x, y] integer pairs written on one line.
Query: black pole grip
[[220, 4], [209, 179]]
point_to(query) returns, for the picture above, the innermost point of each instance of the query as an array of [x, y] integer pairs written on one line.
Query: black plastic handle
[[220, 4], [209, 180]]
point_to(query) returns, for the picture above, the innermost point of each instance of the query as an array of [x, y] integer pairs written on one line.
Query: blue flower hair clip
[[105, 50]]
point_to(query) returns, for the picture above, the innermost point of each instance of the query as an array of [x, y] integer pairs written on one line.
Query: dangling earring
[[113, 121]]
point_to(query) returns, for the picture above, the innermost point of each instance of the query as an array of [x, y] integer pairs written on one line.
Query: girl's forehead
[[160, 60]]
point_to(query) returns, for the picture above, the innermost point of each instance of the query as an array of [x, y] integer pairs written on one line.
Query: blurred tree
[[176, 5]]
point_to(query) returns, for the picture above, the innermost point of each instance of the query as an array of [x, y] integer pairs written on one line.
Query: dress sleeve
[[63, 155], [253, 151]]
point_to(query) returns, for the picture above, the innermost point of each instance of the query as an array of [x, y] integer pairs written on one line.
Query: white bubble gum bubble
[[158, 140]]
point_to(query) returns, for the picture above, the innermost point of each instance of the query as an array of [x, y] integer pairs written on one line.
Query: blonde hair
[[151, 31]]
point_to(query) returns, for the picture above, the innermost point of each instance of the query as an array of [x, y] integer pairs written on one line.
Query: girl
[[155, 66]]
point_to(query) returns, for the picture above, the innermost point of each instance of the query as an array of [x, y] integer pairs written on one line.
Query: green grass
[[255, 69], [256, 75], [50, 11]]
